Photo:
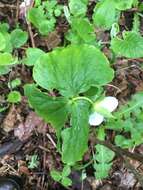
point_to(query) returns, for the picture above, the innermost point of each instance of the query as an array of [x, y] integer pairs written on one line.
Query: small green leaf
[[104, 18], [53, 110], [35, 16], [131, 46], [56, 175], [2, 42], [78, 8], [66, 181], [33, 54], [7, 59], [18, 38], [82, 31], [4, 70], [103, 158], [75, 138], [14, 97], [14, 83], [66, 171], [123, 142], [46, 26], [123, 4]]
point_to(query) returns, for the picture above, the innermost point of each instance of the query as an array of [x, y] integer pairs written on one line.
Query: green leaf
[[7, 59], [33, 54], [18, 38], [72, 70], [123, 4], [123, 142], [131, 46], [66, 181], [14, 97], [66, 171], [75, 138], [53, 110], [78, 8], [4, 70], [102, 170], [2, 42], [132, 106], [4, 27], [103, 159], [8, 48], [104, 18], [14, 83], [36, 16], [82, 31], [56, 175], [46, 26]]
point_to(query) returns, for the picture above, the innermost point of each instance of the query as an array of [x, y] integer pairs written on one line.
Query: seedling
[[62, 177], [43, 15]]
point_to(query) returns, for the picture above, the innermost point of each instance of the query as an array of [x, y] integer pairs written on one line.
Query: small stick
[[31, 34], [52, 141]]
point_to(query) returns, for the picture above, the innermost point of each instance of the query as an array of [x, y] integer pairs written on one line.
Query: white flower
[[109, 103]]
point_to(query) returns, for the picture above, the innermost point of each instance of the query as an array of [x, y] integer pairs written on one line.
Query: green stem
[[84, 98]]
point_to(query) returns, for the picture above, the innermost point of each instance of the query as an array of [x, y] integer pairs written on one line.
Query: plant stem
[[83, 98]]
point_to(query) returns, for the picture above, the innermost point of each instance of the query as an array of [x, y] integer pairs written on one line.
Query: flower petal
[[95, 119], [109, 103]]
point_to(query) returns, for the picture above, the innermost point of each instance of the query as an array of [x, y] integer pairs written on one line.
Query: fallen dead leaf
[[24, 130], [10, 120]]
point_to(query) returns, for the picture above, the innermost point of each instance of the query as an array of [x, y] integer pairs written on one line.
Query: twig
[[52, 141], [31, 35], [17, 11]]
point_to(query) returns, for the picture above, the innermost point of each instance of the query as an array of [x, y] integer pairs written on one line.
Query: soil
[[38, 138]]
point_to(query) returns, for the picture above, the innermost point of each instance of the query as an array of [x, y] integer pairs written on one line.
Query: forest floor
[[38, 138]]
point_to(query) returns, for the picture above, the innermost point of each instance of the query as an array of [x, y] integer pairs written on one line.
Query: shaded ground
[[38, 138]]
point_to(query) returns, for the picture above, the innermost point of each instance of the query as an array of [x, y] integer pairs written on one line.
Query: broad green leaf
[[75, 138], [53, 110], [33, 54], [72, 70], [123, 4], [82, 31], [131, 46], [2, 42], [105, 14], [7, 59], [78, 8], [18, 38]]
